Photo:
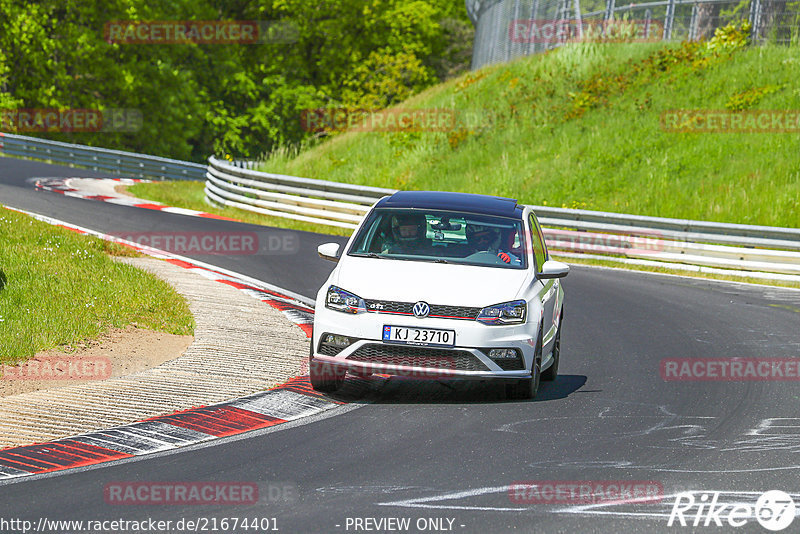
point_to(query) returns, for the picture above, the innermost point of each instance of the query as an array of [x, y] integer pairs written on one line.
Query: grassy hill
[[581, 127]]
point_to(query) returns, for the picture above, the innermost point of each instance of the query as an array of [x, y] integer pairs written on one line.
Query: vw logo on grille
[[421, 309]]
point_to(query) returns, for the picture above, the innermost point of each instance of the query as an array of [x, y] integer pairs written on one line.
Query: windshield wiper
[[440, 260]]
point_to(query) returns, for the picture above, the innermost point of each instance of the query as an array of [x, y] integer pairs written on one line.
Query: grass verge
[[59, 288], [581, 127]]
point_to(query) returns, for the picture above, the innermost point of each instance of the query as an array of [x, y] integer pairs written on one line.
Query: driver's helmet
[[408, 227], [482, 237]]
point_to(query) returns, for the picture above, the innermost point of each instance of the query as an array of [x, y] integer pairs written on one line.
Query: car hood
[[435, 283]]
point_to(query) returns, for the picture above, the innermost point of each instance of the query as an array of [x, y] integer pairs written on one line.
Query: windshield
[[442, 236]]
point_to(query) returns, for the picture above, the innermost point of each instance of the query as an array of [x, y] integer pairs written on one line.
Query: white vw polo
[[441, 285]]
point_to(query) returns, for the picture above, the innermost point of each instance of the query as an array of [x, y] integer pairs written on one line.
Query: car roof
[[466, 202]]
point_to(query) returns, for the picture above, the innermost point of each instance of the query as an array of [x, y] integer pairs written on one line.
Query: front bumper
[[468, 359]]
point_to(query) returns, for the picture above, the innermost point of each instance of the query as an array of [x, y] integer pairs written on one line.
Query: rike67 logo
[[774, 510]]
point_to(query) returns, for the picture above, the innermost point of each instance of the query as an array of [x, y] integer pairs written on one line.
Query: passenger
[[484, 238]]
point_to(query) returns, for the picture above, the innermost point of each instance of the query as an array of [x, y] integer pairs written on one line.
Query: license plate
[[419, 336]]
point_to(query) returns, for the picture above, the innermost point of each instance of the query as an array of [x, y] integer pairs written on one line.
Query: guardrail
[[115, 162], [758, 251], [571, 231], [302, 199]]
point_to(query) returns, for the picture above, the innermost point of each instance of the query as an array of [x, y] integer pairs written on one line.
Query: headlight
[[506, 313], [340, 300]]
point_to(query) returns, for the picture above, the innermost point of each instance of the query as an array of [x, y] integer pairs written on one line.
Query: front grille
[[330, 350], [510, 364], [460, 312], [389, 306], [437, 310], [418, 357]]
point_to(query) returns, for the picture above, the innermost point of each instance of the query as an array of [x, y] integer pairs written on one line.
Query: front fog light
[[502, 354], [336, 341]]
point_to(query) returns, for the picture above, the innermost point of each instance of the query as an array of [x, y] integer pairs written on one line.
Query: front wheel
[[325, 377], [552, 372], [526, 388]]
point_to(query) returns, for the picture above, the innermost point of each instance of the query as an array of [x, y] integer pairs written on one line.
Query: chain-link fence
[[507, 29]]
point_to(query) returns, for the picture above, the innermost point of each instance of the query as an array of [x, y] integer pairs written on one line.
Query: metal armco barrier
[[763, 251], [127, 164], [585, 232], [302, 199]]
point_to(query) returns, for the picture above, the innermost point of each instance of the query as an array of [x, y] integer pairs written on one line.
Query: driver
[[408, 235], [484, 238]]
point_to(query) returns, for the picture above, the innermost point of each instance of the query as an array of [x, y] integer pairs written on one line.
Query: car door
[[549, 288]]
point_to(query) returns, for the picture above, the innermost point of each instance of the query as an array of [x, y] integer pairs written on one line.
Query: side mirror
[[329, 251], [553, 269]]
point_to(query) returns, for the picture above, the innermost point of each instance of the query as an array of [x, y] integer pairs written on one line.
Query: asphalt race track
[[444, 455]]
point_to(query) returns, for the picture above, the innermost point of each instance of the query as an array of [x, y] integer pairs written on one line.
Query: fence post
[[648, 19], [514, 21], [534, 13], [668, 20], [609, 14], [693, 22], [755, 18]]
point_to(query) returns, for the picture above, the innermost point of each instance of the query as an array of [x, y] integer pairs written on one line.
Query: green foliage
[[240, 99], [751, 97], [384, 79], [674, 61], [582, 126], [730, 37]]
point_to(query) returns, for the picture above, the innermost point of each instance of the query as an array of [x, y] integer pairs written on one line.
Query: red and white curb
[[295, 399], [102, 189]]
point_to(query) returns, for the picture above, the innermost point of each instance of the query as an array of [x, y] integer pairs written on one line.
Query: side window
[[539, 250]]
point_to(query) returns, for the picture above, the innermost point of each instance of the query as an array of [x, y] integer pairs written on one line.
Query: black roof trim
[[466, 202]]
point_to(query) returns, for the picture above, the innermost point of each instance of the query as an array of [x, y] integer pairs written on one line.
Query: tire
[[552, 372], [324, 377], [526, 388]]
